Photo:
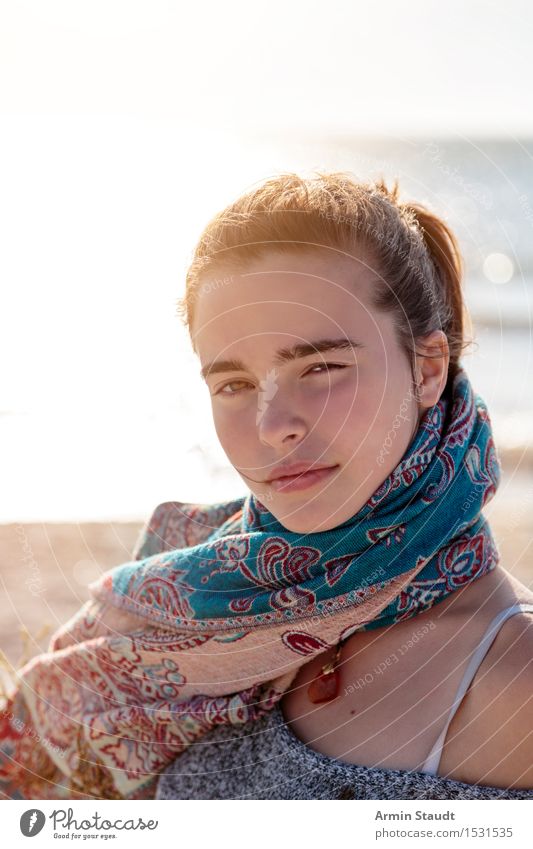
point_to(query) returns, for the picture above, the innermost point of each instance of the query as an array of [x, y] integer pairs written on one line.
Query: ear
[[431, 367]]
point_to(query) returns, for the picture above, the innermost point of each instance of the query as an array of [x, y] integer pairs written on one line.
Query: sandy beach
[[47, 567]]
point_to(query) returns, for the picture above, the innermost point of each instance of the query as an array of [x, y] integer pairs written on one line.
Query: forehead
[[282, 299]]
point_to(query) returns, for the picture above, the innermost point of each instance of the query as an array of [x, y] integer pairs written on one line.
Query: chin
[[304, 525]]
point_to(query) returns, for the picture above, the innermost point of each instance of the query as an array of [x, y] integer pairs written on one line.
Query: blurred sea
[[135, 429]]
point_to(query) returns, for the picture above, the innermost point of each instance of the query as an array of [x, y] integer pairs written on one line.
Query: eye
[[231, 383], [231, 394], [325, 365]]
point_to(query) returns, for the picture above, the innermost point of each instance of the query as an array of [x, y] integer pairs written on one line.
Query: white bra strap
[[432, 761]]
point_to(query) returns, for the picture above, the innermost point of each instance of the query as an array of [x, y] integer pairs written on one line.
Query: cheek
[[394, 430], [233, 431], [362, 417], [353, 407]]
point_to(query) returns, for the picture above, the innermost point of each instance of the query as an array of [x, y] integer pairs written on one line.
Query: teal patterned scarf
[[222, 605], [252, 571]]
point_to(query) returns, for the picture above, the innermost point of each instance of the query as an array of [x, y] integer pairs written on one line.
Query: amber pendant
[[325, 686]]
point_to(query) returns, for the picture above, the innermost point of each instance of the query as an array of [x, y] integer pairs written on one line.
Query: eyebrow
[[284, 355]]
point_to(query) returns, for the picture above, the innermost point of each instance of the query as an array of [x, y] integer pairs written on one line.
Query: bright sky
[[367, 67], [123, 127]]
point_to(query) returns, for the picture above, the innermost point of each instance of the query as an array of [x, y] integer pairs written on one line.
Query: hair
[[415, 254]]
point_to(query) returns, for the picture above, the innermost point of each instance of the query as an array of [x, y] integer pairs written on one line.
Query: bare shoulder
[[514, 715], [490, 739]]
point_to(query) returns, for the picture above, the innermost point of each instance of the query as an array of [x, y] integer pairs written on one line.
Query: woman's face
[[353, 409]]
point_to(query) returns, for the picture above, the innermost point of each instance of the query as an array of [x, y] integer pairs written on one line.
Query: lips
[[303, 480], [292, 469]]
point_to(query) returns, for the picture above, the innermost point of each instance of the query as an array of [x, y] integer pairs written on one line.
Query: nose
[[278, 422]]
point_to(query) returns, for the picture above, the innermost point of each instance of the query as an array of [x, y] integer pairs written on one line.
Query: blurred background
[[124, 126]]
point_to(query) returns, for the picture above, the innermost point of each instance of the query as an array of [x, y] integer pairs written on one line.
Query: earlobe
[[432, 368]]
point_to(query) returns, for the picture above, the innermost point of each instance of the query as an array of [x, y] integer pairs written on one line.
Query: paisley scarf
[[221, 605]]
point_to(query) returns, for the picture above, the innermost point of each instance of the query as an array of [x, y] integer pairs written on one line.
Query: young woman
[[346, 629]]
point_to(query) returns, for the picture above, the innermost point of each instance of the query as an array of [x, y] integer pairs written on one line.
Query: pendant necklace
[[325, 686]]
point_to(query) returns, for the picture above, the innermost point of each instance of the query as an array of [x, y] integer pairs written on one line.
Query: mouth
[[303, 480]]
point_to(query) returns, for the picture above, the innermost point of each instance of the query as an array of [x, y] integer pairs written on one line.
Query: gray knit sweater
[[264, 759]]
